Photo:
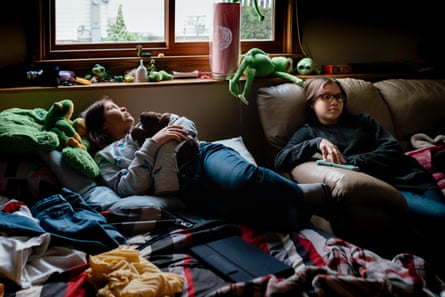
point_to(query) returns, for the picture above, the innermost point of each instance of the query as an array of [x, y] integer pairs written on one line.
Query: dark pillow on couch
[[26, 178]]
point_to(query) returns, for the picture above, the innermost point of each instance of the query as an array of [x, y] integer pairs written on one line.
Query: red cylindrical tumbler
[[225, 42]]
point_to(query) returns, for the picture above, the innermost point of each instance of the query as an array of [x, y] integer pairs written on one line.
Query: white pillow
[[237, 144], [102, 197], [66, 175]]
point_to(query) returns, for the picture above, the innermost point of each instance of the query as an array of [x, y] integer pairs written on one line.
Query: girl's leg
[[271, 200], [226, 169], [428, 207], [427, 217]]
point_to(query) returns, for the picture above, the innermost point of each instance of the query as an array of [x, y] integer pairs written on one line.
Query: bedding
[[148, 240], [26, 178], [324, 265]]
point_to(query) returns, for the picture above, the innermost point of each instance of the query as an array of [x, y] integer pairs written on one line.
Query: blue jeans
[[427, 209], [221, 182], [70, 221]]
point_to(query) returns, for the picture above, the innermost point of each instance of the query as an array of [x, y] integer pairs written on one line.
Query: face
[[328, 105], [118, 121]]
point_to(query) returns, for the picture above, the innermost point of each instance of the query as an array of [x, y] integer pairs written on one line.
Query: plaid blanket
[[324, 265]]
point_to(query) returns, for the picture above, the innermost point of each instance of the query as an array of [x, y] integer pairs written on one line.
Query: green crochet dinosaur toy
[[58, 120], [74, 146], [28, 131]]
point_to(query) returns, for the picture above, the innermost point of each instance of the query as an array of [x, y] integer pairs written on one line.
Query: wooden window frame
[[169, 55]]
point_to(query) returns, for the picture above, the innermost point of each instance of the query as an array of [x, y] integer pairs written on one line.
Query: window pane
[[103, 21], [87, 29], [194, 20]]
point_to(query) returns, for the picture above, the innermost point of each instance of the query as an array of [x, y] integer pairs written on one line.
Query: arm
[[300, 148], [385, 157], [165, 172], [127, 168]]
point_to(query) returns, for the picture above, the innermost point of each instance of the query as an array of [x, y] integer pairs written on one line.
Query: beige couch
[[368, 207]]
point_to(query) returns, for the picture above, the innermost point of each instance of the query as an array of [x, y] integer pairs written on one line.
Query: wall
[[215, 111], [200, 102], [333, 32], [342, 32]]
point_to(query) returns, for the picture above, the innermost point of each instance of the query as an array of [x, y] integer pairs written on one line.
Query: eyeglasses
[[328, 97]]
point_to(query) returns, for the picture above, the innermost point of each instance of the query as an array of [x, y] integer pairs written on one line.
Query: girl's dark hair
[[94, 116], [312, 89]]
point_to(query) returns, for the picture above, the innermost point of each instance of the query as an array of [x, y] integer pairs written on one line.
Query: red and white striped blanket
[[324, 265]]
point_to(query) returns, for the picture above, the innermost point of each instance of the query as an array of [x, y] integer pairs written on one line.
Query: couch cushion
[[416, 105], [281, 111], [363, 97]]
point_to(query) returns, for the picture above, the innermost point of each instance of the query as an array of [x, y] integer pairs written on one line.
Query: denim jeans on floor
[[71, 222]]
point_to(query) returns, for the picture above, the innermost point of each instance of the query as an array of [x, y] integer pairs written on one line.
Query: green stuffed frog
[[257, 63]]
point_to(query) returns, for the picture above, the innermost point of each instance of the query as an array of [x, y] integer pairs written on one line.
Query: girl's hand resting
[[330, 152], [168, 133]]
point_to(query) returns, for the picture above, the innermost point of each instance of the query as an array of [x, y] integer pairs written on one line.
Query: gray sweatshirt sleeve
[[126, 167], [187, 124]]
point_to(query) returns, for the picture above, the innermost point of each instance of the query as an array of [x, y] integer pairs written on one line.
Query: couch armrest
[[352, 187]]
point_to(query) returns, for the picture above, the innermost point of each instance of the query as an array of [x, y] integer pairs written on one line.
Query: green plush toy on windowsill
[[257, 63]]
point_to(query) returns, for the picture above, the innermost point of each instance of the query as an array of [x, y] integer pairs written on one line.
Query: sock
[[317, 198]]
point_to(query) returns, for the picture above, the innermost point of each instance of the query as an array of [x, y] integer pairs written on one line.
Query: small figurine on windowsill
[[141, 53], [98, 73]]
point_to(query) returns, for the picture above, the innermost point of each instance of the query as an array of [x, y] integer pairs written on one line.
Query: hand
[[173, 132], [330, 152]]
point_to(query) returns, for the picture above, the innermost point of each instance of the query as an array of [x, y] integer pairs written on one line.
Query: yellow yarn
[[122, 272]]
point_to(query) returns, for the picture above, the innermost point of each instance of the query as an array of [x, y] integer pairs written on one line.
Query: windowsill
[[99, 85], [195, 81]]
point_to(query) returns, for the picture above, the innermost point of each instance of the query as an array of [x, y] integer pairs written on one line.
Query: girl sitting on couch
[[358, 139], [212, 183]]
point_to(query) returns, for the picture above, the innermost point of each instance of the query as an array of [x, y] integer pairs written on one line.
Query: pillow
[[238, 144], [26, 178], [100, 197], [136, 202], [103, 198], [281, 112], [131, 208], [66, 175]]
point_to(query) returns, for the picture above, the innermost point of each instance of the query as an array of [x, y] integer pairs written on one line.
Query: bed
[[63, 233], [39, 256]]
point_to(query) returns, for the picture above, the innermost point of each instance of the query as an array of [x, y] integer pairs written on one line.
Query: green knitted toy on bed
[[21, 131], [73, 147], [27, 131]]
